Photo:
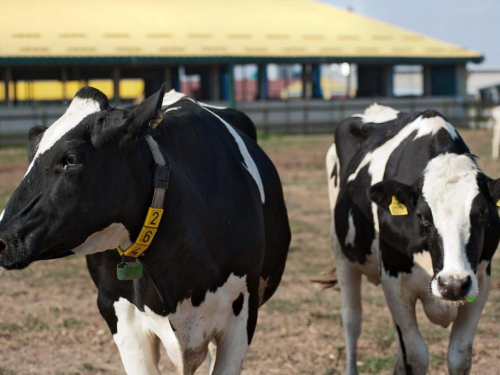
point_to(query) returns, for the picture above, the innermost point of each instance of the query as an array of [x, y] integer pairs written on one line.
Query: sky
[[467, 23]]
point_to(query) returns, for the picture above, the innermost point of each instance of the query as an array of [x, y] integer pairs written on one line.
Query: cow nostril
[[466, 283], [3, 245], [440, 282]]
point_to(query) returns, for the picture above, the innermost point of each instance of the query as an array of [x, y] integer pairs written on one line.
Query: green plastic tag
[[471, 299], [129, 270]]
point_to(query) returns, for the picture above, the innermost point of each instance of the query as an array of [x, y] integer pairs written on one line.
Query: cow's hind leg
[[464, 329], [348, 275], [232, 345]]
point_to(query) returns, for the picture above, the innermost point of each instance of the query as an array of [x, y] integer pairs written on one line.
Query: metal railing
[[283, 117]]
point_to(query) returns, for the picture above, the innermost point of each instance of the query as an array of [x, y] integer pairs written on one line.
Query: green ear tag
[[397, 208], [471, 299], [498, 203], [129, 270]]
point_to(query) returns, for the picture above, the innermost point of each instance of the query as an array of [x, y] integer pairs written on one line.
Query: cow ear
[[494, 187], [147, 115], [399, 199]]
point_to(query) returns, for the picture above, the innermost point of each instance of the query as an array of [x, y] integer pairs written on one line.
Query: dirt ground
[[49, 323]]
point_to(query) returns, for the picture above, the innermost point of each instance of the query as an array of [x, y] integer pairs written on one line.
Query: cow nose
[[3, 245], [454, 288]]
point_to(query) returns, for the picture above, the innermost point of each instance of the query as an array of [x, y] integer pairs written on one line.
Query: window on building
[[408, 80]]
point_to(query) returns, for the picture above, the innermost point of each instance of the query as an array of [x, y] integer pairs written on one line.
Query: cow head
[[449, 208], [81, 183]]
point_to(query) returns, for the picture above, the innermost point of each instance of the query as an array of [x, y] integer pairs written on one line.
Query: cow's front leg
[[232, 345], [413, 356], [464, 327], [139, 348]]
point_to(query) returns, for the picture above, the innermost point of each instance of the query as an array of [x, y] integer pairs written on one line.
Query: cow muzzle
[[454, 286]]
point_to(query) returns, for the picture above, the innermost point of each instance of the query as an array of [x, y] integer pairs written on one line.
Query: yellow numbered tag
[[146, 236], [153, 218], [135, 250], [498, 203], [397, 208]]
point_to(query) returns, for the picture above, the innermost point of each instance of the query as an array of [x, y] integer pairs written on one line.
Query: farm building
[[236, 52]]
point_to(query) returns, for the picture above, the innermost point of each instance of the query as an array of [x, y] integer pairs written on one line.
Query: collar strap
[[155, 212]]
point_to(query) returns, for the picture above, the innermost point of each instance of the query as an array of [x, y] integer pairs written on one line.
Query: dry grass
[[49, 323]]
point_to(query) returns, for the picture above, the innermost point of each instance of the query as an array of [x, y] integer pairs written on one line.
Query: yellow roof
[[206, 29]]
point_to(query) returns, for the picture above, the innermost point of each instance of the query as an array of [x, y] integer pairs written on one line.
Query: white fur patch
[[432, 125], [378, 158], [332, 161], [76, 112], [377, 114], [1, 215], [424, 261], [109, 238], [195, 328], [211, 106], [172, 109], [351, 231], [450, 186], [249, 163], [172, 97]]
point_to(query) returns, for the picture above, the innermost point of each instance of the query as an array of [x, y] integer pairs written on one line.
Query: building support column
[[262, 82], [306, 79], [214, 78], [461, 81], [168, 78], [427, 81], [230, 86], [388, 89], [116, 84], [316, 82], [7, 81], [175, 78]]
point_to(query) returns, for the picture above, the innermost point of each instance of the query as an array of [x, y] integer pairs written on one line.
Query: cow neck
[[155, 212]]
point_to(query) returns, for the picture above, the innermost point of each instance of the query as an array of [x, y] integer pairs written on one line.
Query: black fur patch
[[335, 175], [94, 94], [238, 304], [430, 113], [408, 368]]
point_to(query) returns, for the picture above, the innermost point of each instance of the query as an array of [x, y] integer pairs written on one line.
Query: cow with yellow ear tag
[[411, 209]]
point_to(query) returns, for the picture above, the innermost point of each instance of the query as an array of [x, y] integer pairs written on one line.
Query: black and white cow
[[412, 209], [221, 246]]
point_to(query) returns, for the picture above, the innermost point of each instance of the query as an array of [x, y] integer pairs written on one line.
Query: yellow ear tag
[[498, 203], [397, 208], [156, 120]]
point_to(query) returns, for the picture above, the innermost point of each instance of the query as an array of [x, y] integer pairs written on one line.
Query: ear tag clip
[[156, 120], [498, 203], [129, 269], [397, 208]]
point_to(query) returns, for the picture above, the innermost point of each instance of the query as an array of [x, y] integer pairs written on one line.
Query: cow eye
[[71, 159]]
